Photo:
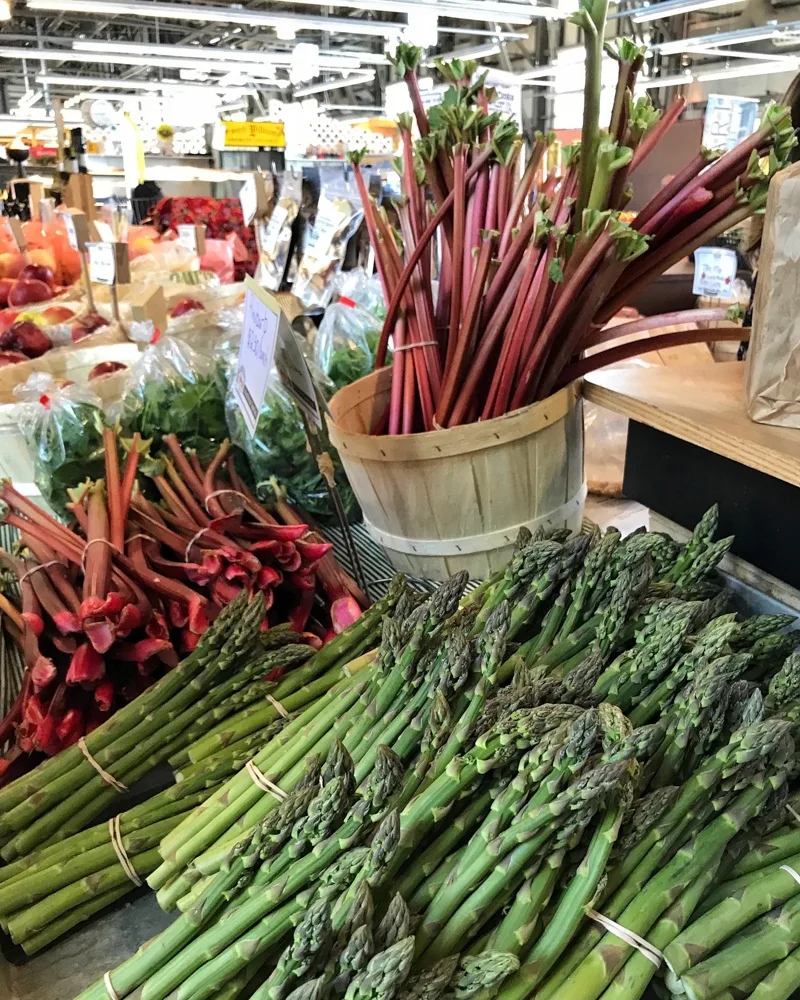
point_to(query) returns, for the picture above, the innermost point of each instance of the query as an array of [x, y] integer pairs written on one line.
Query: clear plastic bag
[[363, 289], [338, 217], [63, 429], [279, 449], [275, 234], [172, 390], [342, 344]]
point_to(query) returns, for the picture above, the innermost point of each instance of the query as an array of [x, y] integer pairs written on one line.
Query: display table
[[691, 443]]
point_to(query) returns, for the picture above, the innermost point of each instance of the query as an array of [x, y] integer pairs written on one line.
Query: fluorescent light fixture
[[220, 15], [337, 84], [486, 10], [547, 84], [476, 52], [351, 107], [40, 121], [668, 8], [738, 54], [205, 54], [537, 73], [506, 36], [657, 82], [756, 69], [150, 85], [5, 10], [738, 36]]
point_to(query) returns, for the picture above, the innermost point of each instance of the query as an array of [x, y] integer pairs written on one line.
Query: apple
[[88, 324], [38, 272], [28, 290], [26, 337], [11, 264], [11, 358], [5, 288], [56, 314], [185, 306], [106, 368], [7, 318]]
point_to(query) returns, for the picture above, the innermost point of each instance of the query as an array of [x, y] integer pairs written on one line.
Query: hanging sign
[[237, 135], [262, 317], [714, 272]]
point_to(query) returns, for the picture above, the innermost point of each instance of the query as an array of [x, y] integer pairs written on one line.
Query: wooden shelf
[[703, 405]]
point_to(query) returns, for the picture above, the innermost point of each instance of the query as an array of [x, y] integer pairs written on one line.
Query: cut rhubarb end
[[198, 619], [313, 551], [129, 619], [87, 666], [178, 617], [344, 611], [140, 651], [34, 622], [46, 737], [104, 695], [71, 727], [223, 592], [100, 634], [268, 576], [43, 672], [66, 622]]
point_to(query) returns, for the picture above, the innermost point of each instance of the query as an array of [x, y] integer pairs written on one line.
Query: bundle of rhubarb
[[473, 815], [109, 604], [531, 269]]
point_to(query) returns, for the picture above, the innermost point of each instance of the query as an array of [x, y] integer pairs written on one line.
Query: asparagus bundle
[[64, 793], [532, 268]]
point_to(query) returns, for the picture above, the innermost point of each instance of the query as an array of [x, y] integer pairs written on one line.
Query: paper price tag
[[193, 238], [262, 317], [248, 197], [714, 272], [77, 227], [102, 263], [72, 236]]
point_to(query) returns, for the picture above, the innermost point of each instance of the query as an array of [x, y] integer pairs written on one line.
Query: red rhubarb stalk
[[614, 332], [457, 270], [520, 194], [657, 132], [117, 526]]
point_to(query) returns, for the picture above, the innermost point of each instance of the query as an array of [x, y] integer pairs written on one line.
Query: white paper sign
[[714, 272], [69, 225], [249, 200], [728, 120], [327, 223], [102, 263], [256, 352], [187, 237], [294, 373]]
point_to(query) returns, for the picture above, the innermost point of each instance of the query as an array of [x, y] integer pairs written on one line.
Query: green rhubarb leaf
[[555, 271]]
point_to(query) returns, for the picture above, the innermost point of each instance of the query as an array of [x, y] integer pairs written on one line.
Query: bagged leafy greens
[[63, 428], [172, 389], [342, 346], [279, 450]]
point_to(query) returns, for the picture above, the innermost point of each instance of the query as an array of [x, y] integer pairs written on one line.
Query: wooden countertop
[[703, 405]]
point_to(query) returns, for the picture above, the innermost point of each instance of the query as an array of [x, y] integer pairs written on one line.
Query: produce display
[[535, 789], [109, 603], [533, 270]]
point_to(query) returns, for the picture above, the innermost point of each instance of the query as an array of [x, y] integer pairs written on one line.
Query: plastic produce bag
[[279, 450], [338, 217], [363, 289], [172, 390], [275, 235], [342, 346], [63, 428]]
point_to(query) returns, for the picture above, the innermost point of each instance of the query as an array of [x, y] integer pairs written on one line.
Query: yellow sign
[[238, 134]]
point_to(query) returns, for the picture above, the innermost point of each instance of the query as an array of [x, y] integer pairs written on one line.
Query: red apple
[[26, 337], [106, 368], [5, 288], [11, 264], [38, 272], [56, 314], [8, 317], [11, 358], [88, 324], [185, 306], [28, 290]]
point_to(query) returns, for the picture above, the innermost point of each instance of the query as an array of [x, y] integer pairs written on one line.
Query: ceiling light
[[757, 69], [344, 81], [486, 10], [476, 52], [656, 82], [5, 10], [537, 73], [285, 32], [218, 15], [668, 8], [150, 85], [348, 60], [739, 36], [737, 54]]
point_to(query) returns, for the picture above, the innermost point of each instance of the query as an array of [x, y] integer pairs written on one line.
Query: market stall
[[319, 678]]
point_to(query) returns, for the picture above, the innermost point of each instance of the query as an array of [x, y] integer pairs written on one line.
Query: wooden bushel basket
[[455, 499]]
